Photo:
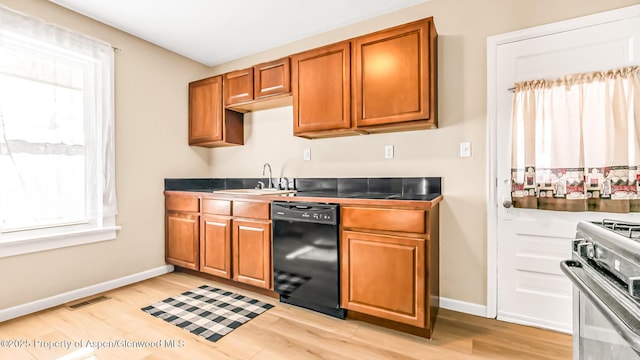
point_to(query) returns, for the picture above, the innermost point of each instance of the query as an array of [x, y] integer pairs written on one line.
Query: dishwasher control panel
[[307, 212]]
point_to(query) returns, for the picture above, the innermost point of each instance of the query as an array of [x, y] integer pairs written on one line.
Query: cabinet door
[[383, 276], [181, 231], [215, 245], [272, 78], [321, 89], [252, 253], [238, 86], [395, 75], [205, 111]]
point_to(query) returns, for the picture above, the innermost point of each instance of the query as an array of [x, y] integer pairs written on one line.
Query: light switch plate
[[388, 151], [465, 149], [307, 154]]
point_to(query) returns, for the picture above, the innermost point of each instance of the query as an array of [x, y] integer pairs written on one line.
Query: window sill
[[57, 241]]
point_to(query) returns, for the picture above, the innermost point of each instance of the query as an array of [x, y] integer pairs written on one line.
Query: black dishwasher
[[305, 255]]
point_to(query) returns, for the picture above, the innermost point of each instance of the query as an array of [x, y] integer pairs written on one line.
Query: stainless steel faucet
[[266, 165]]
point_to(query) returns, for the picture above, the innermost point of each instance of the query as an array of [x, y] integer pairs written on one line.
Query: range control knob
[[599, 253], [590, 251], [584, 249]]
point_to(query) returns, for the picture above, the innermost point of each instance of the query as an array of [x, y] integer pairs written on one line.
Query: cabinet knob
[[507, 203]]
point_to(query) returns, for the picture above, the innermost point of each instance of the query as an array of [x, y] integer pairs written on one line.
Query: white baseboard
[[535, 322], [463, 306], [31, 307]]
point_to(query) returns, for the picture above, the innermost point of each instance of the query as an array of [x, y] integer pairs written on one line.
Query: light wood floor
[[283, 332]]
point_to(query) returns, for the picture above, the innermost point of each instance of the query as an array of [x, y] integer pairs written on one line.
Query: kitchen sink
[[254, 191]]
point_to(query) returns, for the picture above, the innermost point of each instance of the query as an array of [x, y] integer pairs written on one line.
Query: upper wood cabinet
[[272, 78], [264, 86], [321, 81], [238, 86], [380, 82], [394, 74], [210, 124]]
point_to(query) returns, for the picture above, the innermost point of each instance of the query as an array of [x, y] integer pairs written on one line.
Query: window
[[57, 175]]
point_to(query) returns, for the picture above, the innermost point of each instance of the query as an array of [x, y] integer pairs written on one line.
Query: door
[[182, 239], [205, 110], [531, 289], [238, 86], [252, 252], [321, 83], [215, 246]]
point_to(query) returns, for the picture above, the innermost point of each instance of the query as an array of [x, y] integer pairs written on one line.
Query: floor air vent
[[87, 302]]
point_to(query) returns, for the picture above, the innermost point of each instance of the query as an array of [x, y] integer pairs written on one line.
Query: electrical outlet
[[307, 154], [388, 151]]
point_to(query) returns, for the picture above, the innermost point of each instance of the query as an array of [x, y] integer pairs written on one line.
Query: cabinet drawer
[[216, 207], [254, 210], [182, 203], [401, 220]]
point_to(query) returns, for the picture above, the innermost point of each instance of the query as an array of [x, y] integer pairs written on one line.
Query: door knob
[[507, 203]]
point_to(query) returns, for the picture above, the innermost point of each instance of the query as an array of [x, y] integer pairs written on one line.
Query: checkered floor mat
[[285, 283], [208, 312]]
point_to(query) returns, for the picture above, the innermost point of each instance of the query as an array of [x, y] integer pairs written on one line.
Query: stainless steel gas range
[[605, 272]]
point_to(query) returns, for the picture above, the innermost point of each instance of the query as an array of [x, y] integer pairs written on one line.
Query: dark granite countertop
[[413, 188]]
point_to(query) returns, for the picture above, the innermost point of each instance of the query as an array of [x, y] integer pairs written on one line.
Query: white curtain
[[576, 142], [56, 125]]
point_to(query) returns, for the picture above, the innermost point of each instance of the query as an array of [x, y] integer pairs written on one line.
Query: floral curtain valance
[[576, 142]]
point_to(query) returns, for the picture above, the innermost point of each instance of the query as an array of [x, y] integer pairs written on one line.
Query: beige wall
[[463, 27], [151, 144]]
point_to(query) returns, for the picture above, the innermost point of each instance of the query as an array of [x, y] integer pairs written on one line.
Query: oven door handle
[[621, 312]]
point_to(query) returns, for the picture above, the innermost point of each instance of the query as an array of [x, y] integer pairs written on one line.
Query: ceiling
[[213, 32]]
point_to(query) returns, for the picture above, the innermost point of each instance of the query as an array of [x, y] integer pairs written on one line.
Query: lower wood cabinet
[[389, 256], [225, 238], [182, 230], [252, 253], [182, 241], [384, 276], [215, 245], [389, 260]]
